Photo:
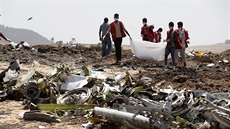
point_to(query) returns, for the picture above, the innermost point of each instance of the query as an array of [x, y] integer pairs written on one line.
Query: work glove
[[167, 40], [9, 40], [103, 38]]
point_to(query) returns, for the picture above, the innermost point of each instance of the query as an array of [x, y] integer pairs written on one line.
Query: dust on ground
[[196, 76]]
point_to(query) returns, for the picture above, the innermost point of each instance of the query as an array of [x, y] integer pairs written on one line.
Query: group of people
[[177, 40], [148, 34]]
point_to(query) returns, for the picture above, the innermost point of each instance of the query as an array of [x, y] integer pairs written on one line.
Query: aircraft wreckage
[[122, 100]]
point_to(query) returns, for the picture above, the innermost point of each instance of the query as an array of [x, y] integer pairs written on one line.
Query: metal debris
[[122, 100], [126, 118], [12, 72], [77, 96], [41, 116]]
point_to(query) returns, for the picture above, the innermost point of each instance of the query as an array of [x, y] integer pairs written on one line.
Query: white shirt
[[182, 37]]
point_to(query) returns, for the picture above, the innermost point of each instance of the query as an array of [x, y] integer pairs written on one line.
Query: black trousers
[[117, 43]]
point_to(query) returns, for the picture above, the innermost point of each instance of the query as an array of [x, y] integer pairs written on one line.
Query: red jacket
[[178, 42], [157, 37], [146, 31], [113, 30]]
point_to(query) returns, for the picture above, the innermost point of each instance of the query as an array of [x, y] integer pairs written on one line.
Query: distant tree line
[[17, 35]]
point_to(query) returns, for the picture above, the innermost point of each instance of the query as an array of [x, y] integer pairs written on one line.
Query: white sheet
[[148, 50]]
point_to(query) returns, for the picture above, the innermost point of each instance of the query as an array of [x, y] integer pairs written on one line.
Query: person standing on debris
[[118, 31], [182, 41], [157, 35], [170, 47], [1, 35], [145, 31], [106, 40]]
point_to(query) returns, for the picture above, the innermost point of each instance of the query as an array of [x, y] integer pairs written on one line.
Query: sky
[[207, 21]]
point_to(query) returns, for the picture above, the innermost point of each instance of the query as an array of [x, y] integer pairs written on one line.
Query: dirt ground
[[197, 76]]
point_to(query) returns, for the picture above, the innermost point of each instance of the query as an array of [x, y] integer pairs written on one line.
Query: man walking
[[106, 41], [182, 41], [118, 31], [170, 47]]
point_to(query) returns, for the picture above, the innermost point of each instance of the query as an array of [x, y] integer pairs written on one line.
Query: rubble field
[[207, 72]]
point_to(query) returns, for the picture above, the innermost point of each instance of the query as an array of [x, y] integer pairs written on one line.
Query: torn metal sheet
[[30, 73], [12, 72], [225, 110], [220, 103], [77, 96], [107, 88], [182, 110], [73, 82], [87, 125], [223, 118]]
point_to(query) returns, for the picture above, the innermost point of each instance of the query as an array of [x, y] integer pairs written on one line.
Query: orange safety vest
[[146, 31], [178, 42], [157, 37], [113, 30]]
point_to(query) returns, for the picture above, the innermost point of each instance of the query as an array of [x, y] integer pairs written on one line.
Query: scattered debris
[[125, 100]]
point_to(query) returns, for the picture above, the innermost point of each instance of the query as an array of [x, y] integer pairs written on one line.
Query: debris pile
[[130, 101]]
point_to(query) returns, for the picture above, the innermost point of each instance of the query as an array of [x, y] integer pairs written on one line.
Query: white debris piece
[[118, 78], [210, 65], [87, 125], [74, 82], [225, 61], [9, 75]]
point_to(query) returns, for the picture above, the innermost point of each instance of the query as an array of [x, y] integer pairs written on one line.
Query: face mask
[[180, 28], [170, 28], [144, 23], [116, 19]]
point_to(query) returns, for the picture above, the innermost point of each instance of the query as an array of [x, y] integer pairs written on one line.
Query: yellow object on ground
[[199, 53]]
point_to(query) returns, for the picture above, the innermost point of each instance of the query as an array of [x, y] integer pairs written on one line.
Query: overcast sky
[[206, 20]]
